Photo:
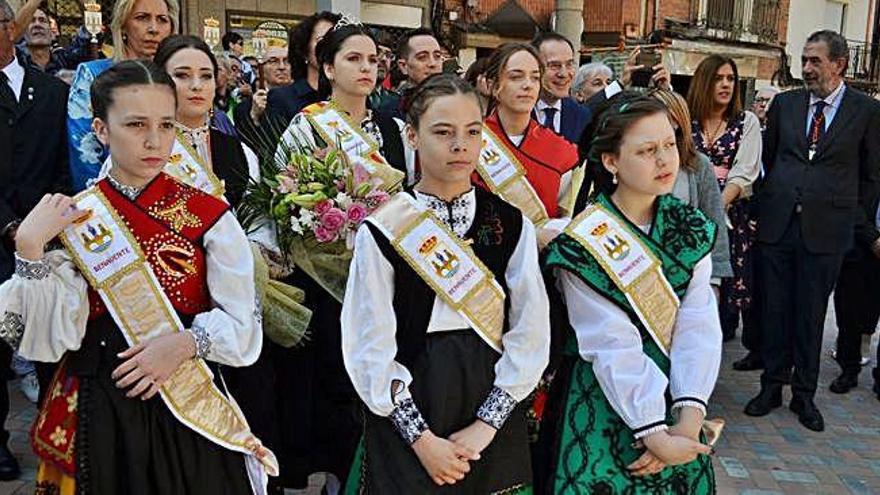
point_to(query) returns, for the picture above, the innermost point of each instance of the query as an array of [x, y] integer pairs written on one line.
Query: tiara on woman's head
[[346, 20]]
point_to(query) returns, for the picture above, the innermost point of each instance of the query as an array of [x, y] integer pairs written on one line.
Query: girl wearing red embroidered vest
[[154, 288], [550, 162], [445, 319]]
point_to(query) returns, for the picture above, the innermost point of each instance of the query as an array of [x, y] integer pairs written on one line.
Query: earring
[[614, 177], [124, 38]]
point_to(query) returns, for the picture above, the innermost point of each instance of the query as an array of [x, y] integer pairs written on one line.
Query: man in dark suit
[[821, 157], [856, 303], [249, 114], [419, 56], [556, 109], [285, 102], [33, 162]]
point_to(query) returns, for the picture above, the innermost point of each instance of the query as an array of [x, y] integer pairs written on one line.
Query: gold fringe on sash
[[142, 311]]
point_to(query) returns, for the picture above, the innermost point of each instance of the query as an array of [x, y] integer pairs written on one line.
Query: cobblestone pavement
[[755, 456]]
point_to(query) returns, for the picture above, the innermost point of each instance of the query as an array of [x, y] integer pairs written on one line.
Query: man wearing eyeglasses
[[248, 115], [763, 97], [383, 93], [33, 162], [556, 109]]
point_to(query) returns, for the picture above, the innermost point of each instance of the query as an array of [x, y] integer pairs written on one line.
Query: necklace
[[130, 192], [632, 218], [711, 138]]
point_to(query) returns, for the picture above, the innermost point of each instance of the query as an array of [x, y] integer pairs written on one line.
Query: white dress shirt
[[832, 104], [15, 73], [369, 323]]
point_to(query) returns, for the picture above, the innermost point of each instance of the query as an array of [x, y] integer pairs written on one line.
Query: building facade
[[763, 36], [857, 20]]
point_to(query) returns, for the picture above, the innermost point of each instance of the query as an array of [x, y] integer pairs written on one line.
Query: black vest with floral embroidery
[[495, 233]]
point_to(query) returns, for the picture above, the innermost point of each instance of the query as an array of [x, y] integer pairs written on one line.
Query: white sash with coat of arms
[[446, 263], [633, 268], [187, 166], [110, 259], [337, 129], [506, 177]]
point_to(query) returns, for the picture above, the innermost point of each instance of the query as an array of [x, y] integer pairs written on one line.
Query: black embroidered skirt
[[138, 447], [451, 379]]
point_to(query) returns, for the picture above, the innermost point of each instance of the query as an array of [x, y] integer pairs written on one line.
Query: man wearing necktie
[[822, 159], [33, 162], [556, 109]]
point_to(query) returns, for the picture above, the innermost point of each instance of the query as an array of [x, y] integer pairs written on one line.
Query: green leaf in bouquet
[[332, 157], [309, 200], [315, 186], [280, 210], [363, 189]]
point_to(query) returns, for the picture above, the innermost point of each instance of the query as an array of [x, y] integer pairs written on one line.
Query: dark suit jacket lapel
[[800, 115], [848, 107], [30, 90], [10, 105], [566, 120]]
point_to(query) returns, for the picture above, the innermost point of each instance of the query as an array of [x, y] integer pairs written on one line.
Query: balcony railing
[[864, 66], [742, 20]]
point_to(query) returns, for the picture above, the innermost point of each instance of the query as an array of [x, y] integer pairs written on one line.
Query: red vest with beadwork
[[545, 155], [168, 220]]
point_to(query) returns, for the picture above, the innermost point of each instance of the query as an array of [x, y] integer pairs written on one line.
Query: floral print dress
[[86, 152], [736, 292]]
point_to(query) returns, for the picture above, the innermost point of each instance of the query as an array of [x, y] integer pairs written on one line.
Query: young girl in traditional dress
[[227, 161], [153, 289], [628, 402], [445, 320], [220, 164], [550, 163], [315, 394]]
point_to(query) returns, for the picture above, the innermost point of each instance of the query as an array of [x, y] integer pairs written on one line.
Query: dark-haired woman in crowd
[[320, 402], [150, 293], [550, 163], [285, 102], [443, 369], [202, 156], [627, 405], [731, 138]]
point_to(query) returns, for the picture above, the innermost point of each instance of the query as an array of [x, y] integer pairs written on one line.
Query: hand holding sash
[[53, 214], [150, 363]]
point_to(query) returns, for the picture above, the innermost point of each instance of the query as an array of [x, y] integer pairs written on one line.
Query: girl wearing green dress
[[626, 411]]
